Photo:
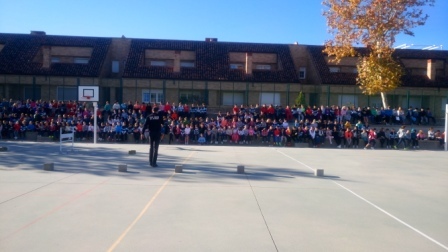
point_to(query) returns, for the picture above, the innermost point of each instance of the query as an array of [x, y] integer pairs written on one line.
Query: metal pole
[[246, 94], [446, 127], [136, 95], [60, 139], [95, 110], [407, 99], [34, 88], [121, 91]]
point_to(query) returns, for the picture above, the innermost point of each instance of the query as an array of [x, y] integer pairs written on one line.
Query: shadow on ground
[[104, 161]]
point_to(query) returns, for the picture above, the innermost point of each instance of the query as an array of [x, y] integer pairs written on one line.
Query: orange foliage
[[373, 24]]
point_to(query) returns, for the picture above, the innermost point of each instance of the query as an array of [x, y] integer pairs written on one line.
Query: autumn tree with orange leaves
[[372, 24]]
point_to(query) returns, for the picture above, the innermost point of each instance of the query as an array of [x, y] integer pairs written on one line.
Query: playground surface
[[367, 200]]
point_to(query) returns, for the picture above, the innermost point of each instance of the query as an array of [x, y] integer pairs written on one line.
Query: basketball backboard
[[88, 93]]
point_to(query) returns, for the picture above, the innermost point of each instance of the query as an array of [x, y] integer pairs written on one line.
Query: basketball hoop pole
[[95, 110], [446, 127]]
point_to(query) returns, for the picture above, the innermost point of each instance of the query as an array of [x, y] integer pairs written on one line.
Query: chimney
[[46, 56], [431, 69], [248, 63], [176, 65], [41, 33]]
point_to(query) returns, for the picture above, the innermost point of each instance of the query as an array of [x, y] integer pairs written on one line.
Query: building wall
[[119, 51], [13, 86]]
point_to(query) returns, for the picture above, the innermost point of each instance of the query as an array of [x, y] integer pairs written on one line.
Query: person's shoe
[[154, 165]]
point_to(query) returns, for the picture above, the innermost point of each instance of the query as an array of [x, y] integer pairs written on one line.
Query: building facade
[[219, 74]]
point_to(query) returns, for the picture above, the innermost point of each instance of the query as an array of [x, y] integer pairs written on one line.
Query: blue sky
[[262, 21]]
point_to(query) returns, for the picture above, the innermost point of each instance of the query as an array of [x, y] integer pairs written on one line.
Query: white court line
[[147, 206], [375, 206], [295, 160], [392, 216]]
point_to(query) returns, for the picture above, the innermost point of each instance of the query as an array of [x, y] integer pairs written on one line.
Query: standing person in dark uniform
[[154, 123]]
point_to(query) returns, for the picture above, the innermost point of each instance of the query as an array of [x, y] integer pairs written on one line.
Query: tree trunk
[[384, 99]]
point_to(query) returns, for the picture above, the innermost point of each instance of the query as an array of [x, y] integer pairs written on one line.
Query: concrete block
[[132, 152], [429, 145], [122, 168], [302, 145], [319, 172], [43, 139], [240, 169], [178, 168], [3, 148], [49, 167], [31, 136]]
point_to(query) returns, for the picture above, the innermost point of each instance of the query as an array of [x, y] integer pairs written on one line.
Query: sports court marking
[[373, 205], [35, 189], [294, 159], [145, 209], [55, 209], [392, 216]]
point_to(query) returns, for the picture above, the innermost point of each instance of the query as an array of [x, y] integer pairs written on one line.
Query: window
[[348, 100], [335, 69], [160, 63], [419, 71], [270, 98], [67, 93], [355, 70], [414, 101], [375, 102], [32, 92], [186, 64], [191, 96], [81, 60], [154, 95], [55, 60], [115, 66], [231, 98], [314, 99], [236, 66], [302, 73], [263, 67]]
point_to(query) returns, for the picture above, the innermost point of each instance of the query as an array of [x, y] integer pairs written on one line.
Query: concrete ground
[[368, 200]]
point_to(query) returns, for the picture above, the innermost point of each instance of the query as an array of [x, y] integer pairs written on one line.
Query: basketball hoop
[[87, 97]]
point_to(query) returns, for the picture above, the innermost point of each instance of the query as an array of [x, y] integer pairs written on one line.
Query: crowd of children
[[343, 127]]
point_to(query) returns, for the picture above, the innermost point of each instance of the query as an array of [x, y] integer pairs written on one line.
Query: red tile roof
[[20, 49], [318, 59], [212, 61]]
